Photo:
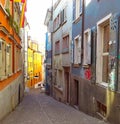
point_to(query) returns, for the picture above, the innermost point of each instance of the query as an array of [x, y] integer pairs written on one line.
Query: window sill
[[9, 75], [3, 78], [58, 88], [85, 66], [19, 70], [65, 50], [76, 20], [103, 84], [76, 65]]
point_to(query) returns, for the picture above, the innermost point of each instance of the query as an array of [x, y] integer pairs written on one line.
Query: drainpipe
[[117, 69], [83, 14], [51, 88]]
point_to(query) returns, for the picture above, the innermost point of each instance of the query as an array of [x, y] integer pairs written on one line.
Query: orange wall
[[7, 81], [4, 19], [3, 2]]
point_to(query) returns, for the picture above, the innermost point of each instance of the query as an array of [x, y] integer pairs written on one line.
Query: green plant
[[16, 27], [10, 17]]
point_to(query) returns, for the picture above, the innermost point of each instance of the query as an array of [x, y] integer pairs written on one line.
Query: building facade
[[95, 58], [62, 37], [11, 75], [48, 50], [35, 73], [48, 65]]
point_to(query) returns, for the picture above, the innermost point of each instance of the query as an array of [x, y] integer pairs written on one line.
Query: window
[[105, 53], [7, 4], [78, 8], [87, 47], [0, 55], [63, 15], [57, 47], [5, 59], [0, 46], [77, 50], [2, 58], [103, 31], [18, 63], [59, 79], [101, 109], [65, 44]]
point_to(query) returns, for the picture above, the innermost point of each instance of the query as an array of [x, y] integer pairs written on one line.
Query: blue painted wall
[[94, 11]]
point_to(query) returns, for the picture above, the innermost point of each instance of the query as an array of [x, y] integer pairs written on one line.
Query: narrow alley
[[37, 108]]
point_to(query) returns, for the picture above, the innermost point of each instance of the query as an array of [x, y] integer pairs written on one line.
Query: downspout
[[51, 88], [117, 69], [83, 22]]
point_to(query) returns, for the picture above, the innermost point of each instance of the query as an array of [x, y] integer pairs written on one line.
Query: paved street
[[37, 108]]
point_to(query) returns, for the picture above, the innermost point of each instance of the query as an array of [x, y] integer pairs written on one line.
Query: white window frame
[[7, 59], [0, 54], [3, 66], [99, 59], [78, 8], [87, 47], [77, 50]]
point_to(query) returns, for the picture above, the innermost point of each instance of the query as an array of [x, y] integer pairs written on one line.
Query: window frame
[[65, 48], [99, 59], [77, 52], [57, 51], [87, 48], [78, 8]]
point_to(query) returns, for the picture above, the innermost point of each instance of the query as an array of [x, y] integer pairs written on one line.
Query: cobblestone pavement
[[37, 108]]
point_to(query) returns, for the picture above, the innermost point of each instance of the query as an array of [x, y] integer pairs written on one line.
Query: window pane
[[106, 39], [105, 69], [0, 45]]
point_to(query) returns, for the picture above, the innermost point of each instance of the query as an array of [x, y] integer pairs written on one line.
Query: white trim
[[104, 19], [105, 54], [76, 37], [87, 51], [100, 53], [77, 50], [86, 31]]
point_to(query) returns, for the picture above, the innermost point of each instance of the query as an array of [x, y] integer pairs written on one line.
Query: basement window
[[101, 109]]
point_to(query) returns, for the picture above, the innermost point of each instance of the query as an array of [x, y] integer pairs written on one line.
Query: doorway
[[76, 92], [67, 86], [19, 94]]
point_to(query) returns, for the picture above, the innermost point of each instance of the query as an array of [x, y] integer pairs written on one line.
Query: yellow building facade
[[34, 65]]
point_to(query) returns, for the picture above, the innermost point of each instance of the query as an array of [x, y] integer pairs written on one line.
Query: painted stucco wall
[[95, 10], [66, 28], [9, 96], [90, 93]]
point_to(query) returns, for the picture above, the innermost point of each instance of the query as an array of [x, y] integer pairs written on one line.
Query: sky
[[36, 12]]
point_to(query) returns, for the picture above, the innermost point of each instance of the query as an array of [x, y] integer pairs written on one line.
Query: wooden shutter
[[93, 54], [0, 56], [89, 48], [65, 13], [79, 50], [74, 10], [7, 59], [72, 52], [76, 44], [80, 6], [113, 53]]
